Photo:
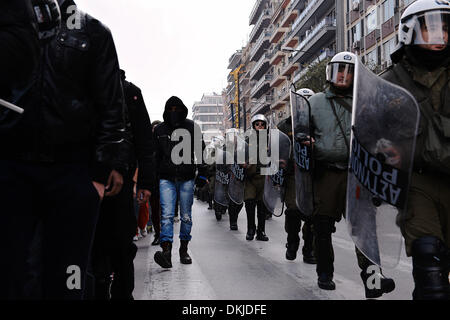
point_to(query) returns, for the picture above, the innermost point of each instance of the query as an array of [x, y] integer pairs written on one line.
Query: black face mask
[[430, 59], [176, 118]]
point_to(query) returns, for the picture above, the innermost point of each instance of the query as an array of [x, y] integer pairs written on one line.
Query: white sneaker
[[144, 232], [135, 238], [176, 219]]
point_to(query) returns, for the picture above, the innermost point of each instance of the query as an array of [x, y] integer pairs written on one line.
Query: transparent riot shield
[[237, 170], [384, 127], [274, 187], [303, 156], [222, 178]]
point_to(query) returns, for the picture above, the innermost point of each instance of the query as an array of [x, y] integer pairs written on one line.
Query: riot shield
[[303, 155], [384, 127], [274, 187], [237, 170], [222, 179]]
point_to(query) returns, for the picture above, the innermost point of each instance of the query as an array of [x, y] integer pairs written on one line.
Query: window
[[372, 21], [388, 9]]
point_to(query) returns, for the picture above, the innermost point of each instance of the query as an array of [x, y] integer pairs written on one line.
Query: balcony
[[281, 97], [308, 16], [257, 10], [292, 39], [321, 36], [277, 80], [278, 33], [261, 86], [262, 103], [261, 44], [290, 68], [260, 67], [235, 60], [279, 10], [262, 23], [291, 15], [277, 56]]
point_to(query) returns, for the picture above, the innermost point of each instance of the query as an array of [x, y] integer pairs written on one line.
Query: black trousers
[[114, 249], [62, 201]]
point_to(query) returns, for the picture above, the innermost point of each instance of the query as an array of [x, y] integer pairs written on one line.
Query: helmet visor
[[431, 28], [340, 73]]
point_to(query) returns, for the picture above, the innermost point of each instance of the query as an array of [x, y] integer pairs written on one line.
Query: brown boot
[[184, 256]]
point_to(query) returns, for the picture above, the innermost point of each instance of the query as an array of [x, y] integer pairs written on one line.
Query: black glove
[[45, 17]]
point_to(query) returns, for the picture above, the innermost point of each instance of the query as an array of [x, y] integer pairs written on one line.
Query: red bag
[[144, 216]]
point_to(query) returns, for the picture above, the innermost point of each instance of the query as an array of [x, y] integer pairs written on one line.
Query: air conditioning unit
[[356, 45]]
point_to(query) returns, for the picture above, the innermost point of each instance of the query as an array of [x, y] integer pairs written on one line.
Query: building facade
[[209, 114], [371, 29]]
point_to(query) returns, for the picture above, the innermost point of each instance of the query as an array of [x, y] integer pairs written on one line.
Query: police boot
[[375, 283], [218, 211], [260, 232], [184, 256], [324, 227], [250, 207], [233, 220], [291, 250], [210, 201], [292, 224], [308, 238], [430, 269], [164, 257]]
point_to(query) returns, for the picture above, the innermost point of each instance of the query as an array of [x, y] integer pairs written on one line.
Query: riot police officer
[[293, 219], [421, 66], [254, 189], [331, 126]]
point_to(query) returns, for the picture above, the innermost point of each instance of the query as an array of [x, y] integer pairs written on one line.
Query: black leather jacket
[[74, 107], [19, 44]]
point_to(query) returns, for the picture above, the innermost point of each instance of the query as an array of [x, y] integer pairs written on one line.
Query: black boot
[[234, 211], [210, 201], [164, 257], [261, 230], [156, 240], [430, 269], [184, 256], [291, 251], [250, 207], [308, 238], [326, 282], [386, 285]]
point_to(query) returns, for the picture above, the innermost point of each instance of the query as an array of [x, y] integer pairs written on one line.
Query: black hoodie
[[166, 169]]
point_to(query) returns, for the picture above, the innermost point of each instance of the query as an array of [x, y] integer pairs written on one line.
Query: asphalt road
[[228, 267]]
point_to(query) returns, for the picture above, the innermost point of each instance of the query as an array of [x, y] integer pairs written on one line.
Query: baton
[[11, 106]]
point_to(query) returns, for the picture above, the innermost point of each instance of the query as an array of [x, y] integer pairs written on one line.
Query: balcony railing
[[266, 78], [264, 58], [266, 15], [263, 37], [327, 22]]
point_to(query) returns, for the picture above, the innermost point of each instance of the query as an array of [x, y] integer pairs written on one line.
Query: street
[[228, 267]]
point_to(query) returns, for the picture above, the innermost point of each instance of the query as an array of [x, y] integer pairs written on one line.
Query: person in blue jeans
[[177, 169]]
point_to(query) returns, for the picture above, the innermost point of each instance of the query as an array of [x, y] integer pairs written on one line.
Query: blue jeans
[[169, 190]]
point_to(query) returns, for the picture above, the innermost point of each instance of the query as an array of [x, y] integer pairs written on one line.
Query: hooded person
[[181, 137]]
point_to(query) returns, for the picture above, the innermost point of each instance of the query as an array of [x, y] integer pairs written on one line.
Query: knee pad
[[430, 269]]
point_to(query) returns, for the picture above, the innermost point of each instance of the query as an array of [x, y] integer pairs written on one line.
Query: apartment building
[[208, 114], [299, 32], [371, 29]]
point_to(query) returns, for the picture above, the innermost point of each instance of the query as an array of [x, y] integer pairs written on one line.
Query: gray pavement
[[228, 267]]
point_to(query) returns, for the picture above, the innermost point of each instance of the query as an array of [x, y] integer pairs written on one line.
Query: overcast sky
[[176, 47]]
